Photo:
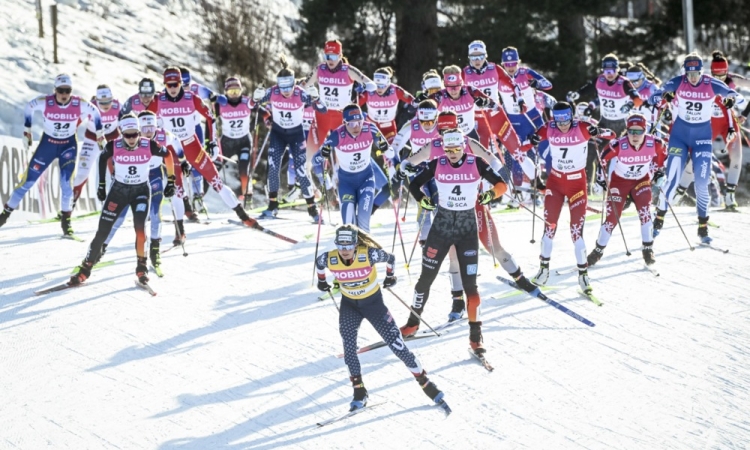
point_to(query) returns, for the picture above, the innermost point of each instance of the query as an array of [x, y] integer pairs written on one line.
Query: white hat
[[453, 139], [129, 124], [104, 95], [63, 80], [147, 120], [477, 47], [432, 83]]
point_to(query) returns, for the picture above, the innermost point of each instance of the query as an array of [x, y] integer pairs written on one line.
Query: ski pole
[[317, 242], [398, 226], [607, 181], [330, 294], [534, 198], [412, 311], [177, 228], [676, 219], [419, 232], [489, 234], [398, 209]]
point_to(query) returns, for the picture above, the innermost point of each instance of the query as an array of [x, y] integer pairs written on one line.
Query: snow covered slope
[[236, 352]]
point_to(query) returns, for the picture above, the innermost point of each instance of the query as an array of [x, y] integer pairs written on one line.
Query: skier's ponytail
[[285, 70]]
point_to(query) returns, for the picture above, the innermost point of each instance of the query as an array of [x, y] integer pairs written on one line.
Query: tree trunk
[[571, 39], [416, 41]]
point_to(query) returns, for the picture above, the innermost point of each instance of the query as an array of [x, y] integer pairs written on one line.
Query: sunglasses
[[636, 131], [346, 247], [609, 71], [173, 85], [452, 149], [286, 89], [427, 123], [354, 123], [103, 103], [331, 57], [510, 64], [149, 95], [234, 92], [64, 90], [476, 57], [130, 135]]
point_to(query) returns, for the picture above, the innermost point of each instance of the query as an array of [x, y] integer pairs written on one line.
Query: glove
[[222, 100], [101, 192], [390, 280], [169, 188], [312, 91], [101, 140], [534, 83], [258, 94], [326, 150], [729, 102], [668, 96], [323, 285], [573, 96], [626, 107], [588, 111], [381, 145], [371, 87], [535, 139], [213, 150], [406, 166], [482, 102], [421, 96], [267, 122], [593, 131], [667, 117], [426, 203], [27, 139], [658, 177], [601, 181], [486, 197], [398, 177], [185, 168], [522, 105], [731, 134]]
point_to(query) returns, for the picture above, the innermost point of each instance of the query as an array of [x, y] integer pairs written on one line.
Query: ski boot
[[141, 270], [189, 213], [583, 280], [429, 388], [242, 215], [292, 195], [648, 253], [659, 221], [412, 325], [595, 255], [459, 306], [271, 211], [523, 282], [729, 202], [198, 205], [360, 393], [84, 272], [179, 237], [154, 253], [5, 214], [703, 230], [312, 210], [104, 250], [67, 228], [475, 338], [542, 276]]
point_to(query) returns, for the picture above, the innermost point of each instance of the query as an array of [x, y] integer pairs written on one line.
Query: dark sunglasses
[[64, 90], [636, 131], [130, 135], [173, 85], [346, 247]]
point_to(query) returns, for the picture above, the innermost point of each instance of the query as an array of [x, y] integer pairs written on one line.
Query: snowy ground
[[236, 351]]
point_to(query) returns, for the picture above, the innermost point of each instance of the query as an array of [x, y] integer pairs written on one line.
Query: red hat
[[232, 82], [637, 120], [172, 76], [332, 47], [720, 67], [452, 79], [447, 121]]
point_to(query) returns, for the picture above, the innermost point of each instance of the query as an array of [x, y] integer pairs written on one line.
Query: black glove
[[421, 96], [323, 285], [381, 145], [588, 111], [101, 193], [668, 96], [399, 176], [482, 101], [667, 116], [659, 174], [326, 150], [534, 83], [486, 197], [185, 168], [601, 181], [169, 188], [729, 102], [535, 139], [390, 280], [593, 131]]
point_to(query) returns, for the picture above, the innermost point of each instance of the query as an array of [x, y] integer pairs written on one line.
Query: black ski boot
[[475, 338], [522, 281], [360, 393], [5, 214], [244, 217], [141, 270], [84, 272], [154, 252], [659, 221], [179, 237], [595, 255], [648, 253], [189, 213], [703, 230], [459, 306], [67, 228], [429, 387]]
